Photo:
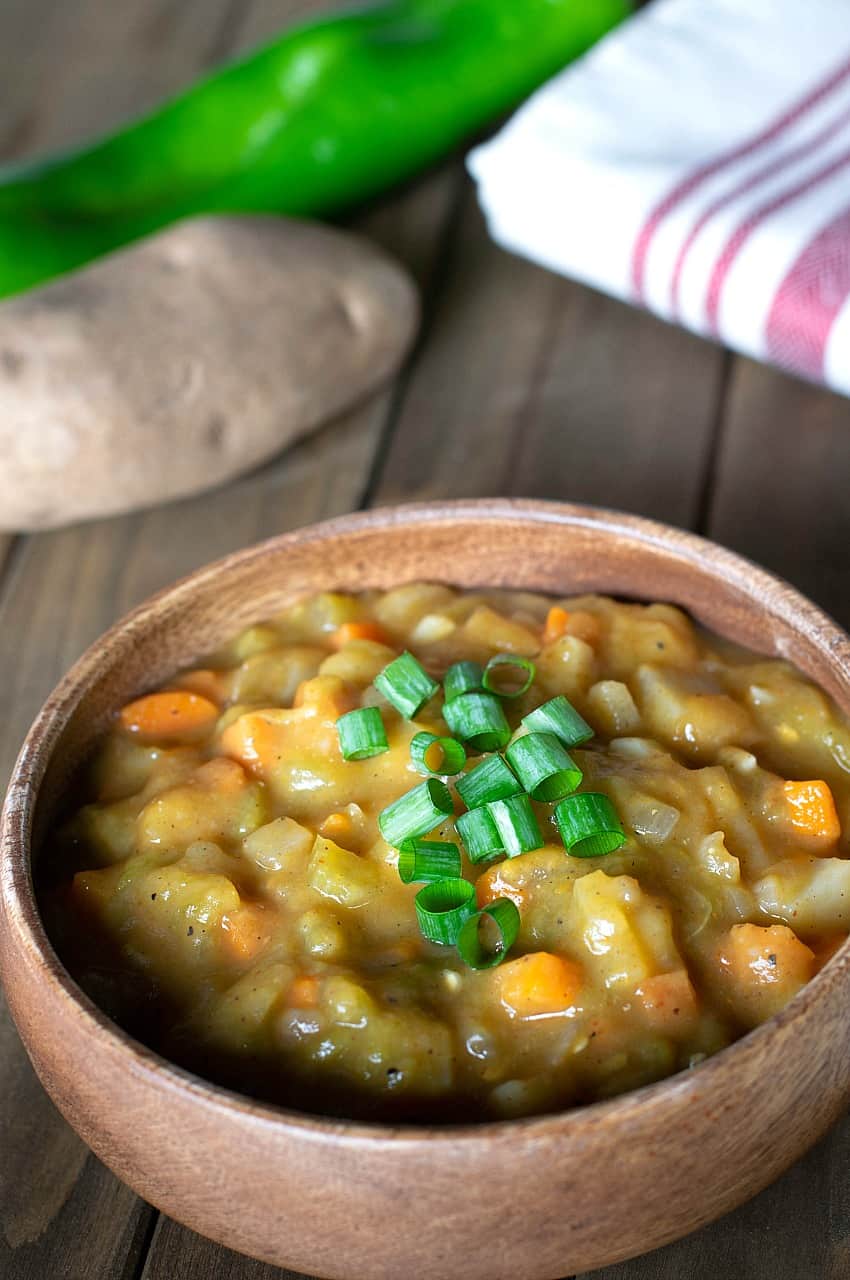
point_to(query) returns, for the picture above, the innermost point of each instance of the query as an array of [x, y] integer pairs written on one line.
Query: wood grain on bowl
[[558, 1193]]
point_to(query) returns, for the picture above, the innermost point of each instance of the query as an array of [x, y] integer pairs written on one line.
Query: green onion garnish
[[443, 908], [406, 684], [490, 780], [589, 825], [479, 834], [416, 812], [504, 914], [543, 767], [361, 734], [560, 717], [517, 825], [428, 860], [478, 718], [462, 677], [431, 754], [508, 663]]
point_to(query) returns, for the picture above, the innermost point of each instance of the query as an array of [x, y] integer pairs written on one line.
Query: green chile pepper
[[323, 117]]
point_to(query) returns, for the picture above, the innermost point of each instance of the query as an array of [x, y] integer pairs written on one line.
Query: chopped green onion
[[560, 717], [517, 825], [443, 908], [428, 860], [478, 718], [431, 754], [543, 767], [462, 677], [479, 834], [406, 684], [361, 734], [505, 916], [489, 780], [416, 812], [589, 825], [509, 660]]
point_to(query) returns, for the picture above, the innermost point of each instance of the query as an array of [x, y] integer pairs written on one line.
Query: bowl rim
[[18, 898]]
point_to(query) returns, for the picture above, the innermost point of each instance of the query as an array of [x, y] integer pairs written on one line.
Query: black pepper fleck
[[190, 931]]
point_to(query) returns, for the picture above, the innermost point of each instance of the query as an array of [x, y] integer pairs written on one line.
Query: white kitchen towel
[[697, 162]]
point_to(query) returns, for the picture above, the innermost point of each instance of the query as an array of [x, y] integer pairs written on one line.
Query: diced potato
[[810, 894], [358, 662], [322, 935], [239, 1018], [274, 675], [282, 844], [761, 968], [635, 634], [492, 632], [218, 804], [713, 856], [342, 876], [401, 608], [628, 933], [689, 713], [568, 666], [612, 708], [432, 628], [651, 820]]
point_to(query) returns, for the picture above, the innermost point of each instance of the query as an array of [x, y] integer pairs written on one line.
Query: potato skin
[[192, 356]]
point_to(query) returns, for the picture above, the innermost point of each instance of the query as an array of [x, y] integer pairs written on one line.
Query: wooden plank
[[176, 1251], [781, 482], [534, 385]]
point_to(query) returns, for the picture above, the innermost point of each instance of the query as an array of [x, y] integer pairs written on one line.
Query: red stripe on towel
[[809, 299], [693, 180], [744, 230]]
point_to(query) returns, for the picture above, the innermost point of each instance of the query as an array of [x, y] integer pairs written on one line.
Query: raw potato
[[169, 367]]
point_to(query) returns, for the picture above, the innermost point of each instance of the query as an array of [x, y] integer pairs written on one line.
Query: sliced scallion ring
[[406, 684], [480, 835], [431, 754], [424, 861], [589, 825], [478, 719], [416, 812], [489, 780], [443, 908], [478, 955], [517, 825], [543, 767], [462, 677], [361, 734], [560, 717], [507, 665]]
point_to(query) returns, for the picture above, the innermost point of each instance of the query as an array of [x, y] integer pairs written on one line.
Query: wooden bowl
[[526, 1199]]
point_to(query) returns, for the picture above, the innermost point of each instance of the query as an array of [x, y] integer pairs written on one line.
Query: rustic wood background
[[521, 384]]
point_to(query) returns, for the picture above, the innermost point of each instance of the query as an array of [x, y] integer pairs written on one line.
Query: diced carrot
[[175, 713], [209, 684], [539, 984], [668, 1000], [765, 954], [245, 932], [556, 624], [337, 827], [492, 885], [253, 740], [304, 992], [812, 809], [586, 626], [327, 696], [359, 631]]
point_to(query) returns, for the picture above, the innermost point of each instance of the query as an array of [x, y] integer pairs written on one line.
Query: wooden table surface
[[521, 384]]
